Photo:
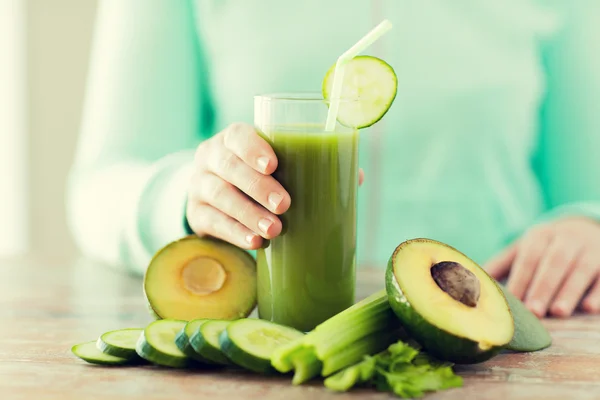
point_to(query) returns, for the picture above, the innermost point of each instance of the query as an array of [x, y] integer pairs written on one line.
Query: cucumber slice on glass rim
[[370, 81]]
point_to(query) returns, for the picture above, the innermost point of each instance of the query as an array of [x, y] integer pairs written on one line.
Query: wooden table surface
[[46, 307]]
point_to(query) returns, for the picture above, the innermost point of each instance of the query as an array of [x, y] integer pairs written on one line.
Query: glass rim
[[295, 97]]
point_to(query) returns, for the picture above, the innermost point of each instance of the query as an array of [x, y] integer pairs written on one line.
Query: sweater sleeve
[[146, 109], [568, 163]]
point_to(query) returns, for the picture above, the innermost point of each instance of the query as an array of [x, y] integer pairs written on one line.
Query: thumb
[[361, 176], [499, 265]]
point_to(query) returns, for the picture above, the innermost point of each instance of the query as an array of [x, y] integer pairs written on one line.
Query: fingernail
[[263, 163], [589, 306], [250, 238], [275, 200], [264, 224], [560, 308], [536, 307]]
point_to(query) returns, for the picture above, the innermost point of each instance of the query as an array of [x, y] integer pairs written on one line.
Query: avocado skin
[[530, 334], [434, 340]]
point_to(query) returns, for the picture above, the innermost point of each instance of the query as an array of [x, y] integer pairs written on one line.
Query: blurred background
[[44, 48]]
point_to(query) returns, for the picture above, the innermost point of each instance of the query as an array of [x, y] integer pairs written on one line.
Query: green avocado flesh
[[200, 278], [464, 330], [530, 333]]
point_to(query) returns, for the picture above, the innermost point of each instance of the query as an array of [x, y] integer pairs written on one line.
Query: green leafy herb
[[401, 369]]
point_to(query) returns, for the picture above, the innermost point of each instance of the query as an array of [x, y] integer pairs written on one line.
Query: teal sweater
[[496, 125]]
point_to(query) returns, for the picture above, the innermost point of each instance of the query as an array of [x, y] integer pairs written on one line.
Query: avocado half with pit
[[447, 302], [194, 278]]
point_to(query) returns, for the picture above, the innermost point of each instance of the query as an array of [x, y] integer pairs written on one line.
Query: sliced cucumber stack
[[90, 353], [157, 344], [205, 341], [250, 343], [120, 343], [182, 340], [371, 83]]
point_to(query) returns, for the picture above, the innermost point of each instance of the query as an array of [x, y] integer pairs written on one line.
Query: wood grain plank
[[48, 306]]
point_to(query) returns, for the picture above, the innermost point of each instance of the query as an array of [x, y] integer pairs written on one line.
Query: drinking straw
[[340, 67]]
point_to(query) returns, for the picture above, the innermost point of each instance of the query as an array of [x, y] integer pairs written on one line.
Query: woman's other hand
[[552, 266]]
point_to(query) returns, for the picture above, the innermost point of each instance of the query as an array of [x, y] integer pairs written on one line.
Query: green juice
[[307, 274]]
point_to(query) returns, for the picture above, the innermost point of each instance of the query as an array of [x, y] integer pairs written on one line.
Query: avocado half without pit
[[195, 277], [447, 302]]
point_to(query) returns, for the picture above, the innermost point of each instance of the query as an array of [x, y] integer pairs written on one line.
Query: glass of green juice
[[307, 274]]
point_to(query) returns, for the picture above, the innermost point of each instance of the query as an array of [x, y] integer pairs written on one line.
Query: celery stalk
[[335, 336], [330, 330], [281, 358], [370, 312], [306, 365], [354, 352], [354, 375], [377, 300], [359, 329], [343, 380]]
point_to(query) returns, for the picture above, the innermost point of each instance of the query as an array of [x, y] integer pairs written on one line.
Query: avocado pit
[[203, 276], [457, 281]]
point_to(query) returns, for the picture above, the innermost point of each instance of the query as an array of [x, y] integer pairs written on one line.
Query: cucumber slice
[[157, 344], [120, 343], [369, 80], [205, 341], [182, 340], [250, 342], [90, 353]]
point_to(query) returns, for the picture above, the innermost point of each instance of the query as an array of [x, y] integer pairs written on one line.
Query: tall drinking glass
[[307, 274]]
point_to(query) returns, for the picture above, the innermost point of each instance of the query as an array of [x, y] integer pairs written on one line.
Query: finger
[[579, 279], [202, 151], [361, 176], [499, 265], [264, 189], [556, 262], [243, 141], [206, 220], [223, 196], [591, 303], [529, 252]]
